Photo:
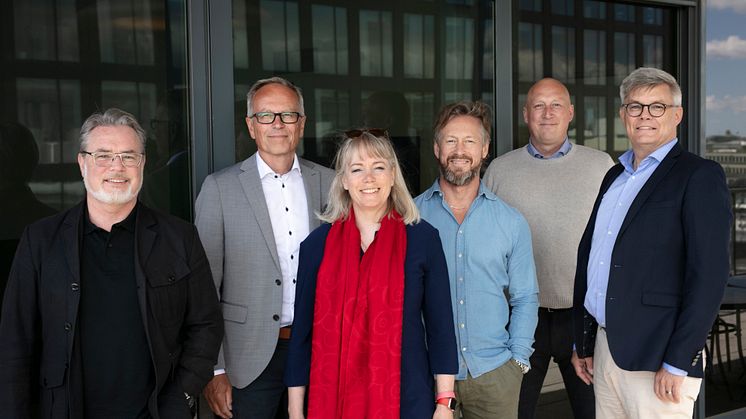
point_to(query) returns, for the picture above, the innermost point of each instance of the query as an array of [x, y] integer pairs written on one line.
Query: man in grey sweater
[[553, 183]]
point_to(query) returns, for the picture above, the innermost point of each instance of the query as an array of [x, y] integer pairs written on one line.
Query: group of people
[[309, 292]]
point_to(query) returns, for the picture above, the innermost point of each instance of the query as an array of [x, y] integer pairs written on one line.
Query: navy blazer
[[668, 268], [427, 348]]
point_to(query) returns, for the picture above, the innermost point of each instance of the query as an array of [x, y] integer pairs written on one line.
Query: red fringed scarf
[[357, 326]]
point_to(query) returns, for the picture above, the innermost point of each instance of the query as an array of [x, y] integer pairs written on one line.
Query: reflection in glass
[[376, 55], [240, 35], [136, 98], [332, 115], [652, 51], [419, 46], [45, 33], [329, 39], [621, 141], [624, 55], [563, 53], [594, 51], [531, 5], [530, 61], [488, 50], [624, 13], [125, 31], [280, 35], [652, 16], [563, 7], [594, 9], [594, 130], [459, 60]]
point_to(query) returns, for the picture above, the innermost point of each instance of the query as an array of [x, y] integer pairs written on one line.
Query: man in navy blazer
[[652, 263]]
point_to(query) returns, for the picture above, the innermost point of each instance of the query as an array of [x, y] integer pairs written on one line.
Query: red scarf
[[357, 326]]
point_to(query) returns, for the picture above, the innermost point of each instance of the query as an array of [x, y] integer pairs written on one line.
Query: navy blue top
[[427, 348]]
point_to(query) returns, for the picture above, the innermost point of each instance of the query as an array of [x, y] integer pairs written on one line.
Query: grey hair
[[340, 201], [273, 80], [648, 78], [108, 118], [477, 109]]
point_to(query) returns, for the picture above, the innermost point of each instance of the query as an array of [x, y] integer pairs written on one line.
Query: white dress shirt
[[286, 201]]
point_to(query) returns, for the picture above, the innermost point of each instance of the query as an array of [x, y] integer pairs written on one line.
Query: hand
[[442, 412], [583, 367], [668, 386], [218, 393]]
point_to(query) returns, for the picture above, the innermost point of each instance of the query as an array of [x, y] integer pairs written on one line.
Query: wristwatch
[[524, 367], [448, 402]]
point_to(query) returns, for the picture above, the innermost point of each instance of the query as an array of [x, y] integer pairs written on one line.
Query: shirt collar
[[563, 150], [435, 190], [265, 170], [628, 158], [127, 224]]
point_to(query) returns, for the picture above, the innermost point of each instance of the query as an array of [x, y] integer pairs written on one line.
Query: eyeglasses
[[655, 109], [106, 159], [269, 117], [376, 132]]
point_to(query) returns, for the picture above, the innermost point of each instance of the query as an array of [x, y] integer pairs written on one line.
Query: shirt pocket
[[168, 291]]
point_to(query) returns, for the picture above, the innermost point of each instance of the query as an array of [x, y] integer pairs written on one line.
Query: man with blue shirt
[[553, 183], [490, 265], [652, 263]]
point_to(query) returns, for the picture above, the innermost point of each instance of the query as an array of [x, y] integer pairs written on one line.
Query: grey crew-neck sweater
[[556, 197]]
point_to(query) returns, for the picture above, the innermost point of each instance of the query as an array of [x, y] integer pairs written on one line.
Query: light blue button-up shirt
[[564, 149], [493, 279], [611, 213]]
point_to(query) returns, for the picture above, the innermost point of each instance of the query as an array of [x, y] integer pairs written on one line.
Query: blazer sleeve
[[706, 219], [298, 367], [437, 309], [210, 224], [203, 323], [20, 335]]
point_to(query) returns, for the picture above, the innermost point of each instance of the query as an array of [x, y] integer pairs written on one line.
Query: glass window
[[530, 57], [125, 40], [594, 110], [330, 39], [376, 55], [280, 36], [624, 55], [594, 9], [563, 7], [563, 53], [419, 56], [45, 30], [459, 47], [530, 5], [652, 50], [594, 50], [624, 12]]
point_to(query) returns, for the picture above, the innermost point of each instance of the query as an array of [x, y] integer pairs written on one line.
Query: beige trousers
[[630, 394], [493, 395]]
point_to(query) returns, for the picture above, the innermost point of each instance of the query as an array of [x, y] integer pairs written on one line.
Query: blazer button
[[278, 282], [275, 317], [68, 326], [74, 286], [171, 278], [694, 364]]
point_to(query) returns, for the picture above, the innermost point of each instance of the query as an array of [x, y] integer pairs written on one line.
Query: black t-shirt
[[117, 366]]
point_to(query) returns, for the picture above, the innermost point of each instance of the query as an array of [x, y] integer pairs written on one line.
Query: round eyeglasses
[[654, 109], [269, 117], [106, 159]]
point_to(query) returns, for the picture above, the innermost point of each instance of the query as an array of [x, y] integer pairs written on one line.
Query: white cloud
[[737, 5], [731, 47], [727, 103]]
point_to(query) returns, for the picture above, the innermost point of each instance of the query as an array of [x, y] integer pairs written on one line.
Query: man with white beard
[[110, 309]]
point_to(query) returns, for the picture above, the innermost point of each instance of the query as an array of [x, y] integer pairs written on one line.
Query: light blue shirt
[[611, 213], [564, 149], [493, 279]]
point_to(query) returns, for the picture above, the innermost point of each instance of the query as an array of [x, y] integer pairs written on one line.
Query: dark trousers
[[553, 339], [266, 397]]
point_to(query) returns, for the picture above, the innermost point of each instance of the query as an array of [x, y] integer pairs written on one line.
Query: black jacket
[[668, 268], [182, 318]]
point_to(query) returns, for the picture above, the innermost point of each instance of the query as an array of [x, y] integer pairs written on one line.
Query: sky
[[725, 76]]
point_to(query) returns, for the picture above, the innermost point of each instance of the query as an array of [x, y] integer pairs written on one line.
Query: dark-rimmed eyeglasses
[[376, 132], [269, 117], [106, 159], [654, 109]]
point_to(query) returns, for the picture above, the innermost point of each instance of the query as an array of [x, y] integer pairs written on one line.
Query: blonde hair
[[340, 202]]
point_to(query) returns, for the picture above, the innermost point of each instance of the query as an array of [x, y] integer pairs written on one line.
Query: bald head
[[548, 112]]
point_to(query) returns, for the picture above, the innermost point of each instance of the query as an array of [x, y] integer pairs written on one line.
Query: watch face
[[452, 403]]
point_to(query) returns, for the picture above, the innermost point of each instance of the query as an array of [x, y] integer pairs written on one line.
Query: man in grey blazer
[[252, 217]]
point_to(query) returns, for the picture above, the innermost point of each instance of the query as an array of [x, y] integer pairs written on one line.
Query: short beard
[[111, 198], [458, 179]]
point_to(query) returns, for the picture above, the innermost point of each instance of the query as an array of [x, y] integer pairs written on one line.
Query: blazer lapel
[[71, 238], [252, 187], [312, 184], [145, 237], [660, 172]]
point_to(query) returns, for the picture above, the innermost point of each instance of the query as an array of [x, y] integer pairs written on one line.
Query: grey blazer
[[236, 231]]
